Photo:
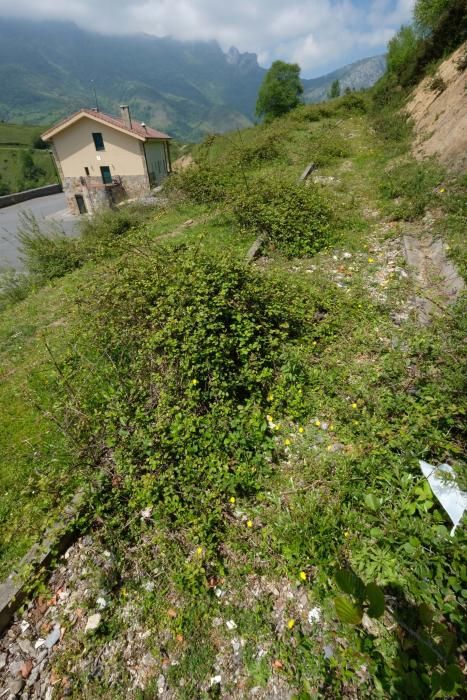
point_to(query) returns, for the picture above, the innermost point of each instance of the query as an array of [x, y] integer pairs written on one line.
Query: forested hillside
[[49, 69]]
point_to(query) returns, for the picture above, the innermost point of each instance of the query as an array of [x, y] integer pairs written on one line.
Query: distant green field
[[18, 135], [21, 165]]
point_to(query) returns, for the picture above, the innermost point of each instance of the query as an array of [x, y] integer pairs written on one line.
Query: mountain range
[[188, 88]]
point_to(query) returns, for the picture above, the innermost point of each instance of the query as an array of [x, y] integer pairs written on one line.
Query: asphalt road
[[46, 210]]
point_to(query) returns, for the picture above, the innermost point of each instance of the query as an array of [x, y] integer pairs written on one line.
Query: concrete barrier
[[16, 197], [56, 540]]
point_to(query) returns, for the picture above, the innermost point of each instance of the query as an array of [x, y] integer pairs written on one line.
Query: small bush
[[294, 218], [47, 255], [14, 287], [305, 113], [264, 151], [461, 63], [438, 85], [351, 102], [201, 184]]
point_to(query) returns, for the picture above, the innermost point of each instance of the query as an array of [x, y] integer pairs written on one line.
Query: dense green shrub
[[201, 184], [293, 218], [186, 349], [266, 149]]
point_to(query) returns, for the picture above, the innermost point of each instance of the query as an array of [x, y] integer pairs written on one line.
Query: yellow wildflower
[[303, 575], [249, 523], [354, 405], [232, 499], [291, 624], [269, 419], [194, 382], [270, 397], [199, 551], [300, 430], [331, 427], [317, 423], [287, 442], [329, 448], [442, 189], [371, 260], [346, 533]]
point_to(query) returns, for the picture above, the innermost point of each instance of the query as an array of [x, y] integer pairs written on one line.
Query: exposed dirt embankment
[[439, 109]]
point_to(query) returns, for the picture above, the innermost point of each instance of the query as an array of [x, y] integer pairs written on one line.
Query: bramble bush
[[295, 219], [201, 184], [185, 348]]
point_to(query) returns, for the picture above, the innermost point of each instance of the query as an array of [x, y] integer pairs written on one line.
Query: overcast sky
[[320, 35]]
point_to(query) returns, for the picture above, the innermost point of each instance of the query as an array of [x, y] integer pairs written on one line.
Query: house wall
[[75, 150], [156, 158]]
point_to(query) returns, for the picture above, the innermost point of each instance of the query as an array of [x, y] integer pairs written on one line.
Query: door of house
[[81, 204]]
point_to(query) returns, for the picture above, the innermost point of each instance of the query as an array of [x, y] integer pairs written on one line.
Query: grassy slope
[[377, 396], [14, 138]]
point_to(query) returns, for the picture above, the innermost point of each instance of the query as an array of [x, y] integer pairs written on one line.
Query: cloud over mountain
[[318, 34]]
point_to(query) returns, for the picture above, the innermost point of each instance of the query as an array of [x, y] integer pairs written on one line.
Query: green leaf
[[347, 611], [350, 583], [425, 613], [372, 502], [375, 597], [455, 673], [426, 647]]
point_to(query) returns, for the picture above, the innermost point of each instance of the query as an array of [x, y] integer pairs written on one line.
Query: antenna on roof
[[95, 94]]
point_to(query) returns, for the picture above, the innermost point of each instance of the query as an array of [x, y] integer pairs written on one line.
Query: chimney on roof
[[126, 116]]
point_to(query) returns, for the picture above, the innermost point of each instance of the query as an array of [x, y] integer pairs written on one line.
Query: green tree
[[427, 14], [334, 90], [30, 172], [401, 50], [280, 91]]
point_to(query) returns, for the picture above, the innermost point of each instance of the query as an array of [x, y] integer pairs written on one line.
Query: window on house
[[98, 141], [86, 170], [106, 175]]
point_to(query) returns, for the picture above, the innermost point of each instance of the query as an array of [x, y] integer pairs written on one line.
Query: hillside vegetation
[[189, 89], [24, 162], [248, 436]]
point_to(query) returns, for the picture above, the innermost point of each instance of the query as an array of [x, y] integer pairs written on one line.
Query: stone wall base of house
[[97, 195]]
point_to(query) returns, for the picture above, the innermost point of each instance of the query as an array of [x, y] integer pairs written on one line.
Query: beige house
[[103, 160]]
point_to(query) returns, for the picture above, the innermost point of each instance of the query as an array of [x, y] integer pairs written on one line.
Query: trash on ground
[[443, 485]]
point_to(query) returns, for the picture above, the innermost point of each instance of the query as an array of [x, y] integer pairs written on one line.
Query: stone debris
[[52, 638], [93, 622]]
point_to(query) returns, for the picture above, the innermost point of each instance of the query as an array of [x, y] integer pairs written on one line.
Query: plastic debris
[[443, 485]]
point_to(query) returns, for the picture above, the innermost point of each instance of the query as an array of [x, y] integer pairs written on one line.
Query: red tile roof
[[137, 128]]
